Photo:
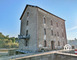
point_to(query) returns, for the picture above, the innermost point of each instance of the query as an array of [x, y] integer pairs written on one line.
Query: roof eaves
[[25, 10], [50, 13], [39, 8]]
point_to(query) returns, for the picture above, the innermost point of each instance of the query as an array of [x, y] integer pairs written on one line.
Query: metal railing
[[24, 37]]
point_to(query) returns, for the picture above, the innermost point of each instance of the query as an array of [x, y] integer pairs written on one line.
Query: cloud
[[73, 28]]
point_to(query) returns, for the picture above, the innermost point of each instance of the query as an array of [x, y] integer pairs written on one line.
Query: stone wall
[[31, 27], [55, 55], [49, 37], [65, 57]]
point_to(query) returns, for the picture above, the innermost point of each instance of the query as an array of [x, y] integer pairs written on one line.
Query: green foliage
[[7, 36], [2, 36], [13, 39], [6, 42]]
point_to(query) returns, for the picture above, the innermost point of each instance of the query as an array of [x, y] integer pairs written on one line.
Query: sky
[[11, 10]]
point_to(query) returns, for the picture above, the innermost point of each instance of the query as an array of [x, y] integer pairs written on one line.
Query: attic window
[[51, 22], [57, 24], [27, 14], [44, 20]]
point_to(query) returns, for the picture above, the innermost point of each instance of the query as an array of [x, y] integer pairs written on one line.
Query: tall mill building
[[41, 29]]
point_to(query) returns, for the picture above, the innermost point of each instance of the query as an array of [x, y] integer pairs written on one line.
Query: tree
[[13, 39], [7, 36]]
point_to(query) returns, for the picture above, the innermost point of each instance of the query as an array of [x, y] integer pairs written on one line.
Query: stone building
[[73, 43], [41, 29]]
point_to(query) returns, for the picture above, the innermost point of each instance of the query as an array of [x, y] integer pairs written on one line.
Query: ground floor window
[[63, 43], [26, 42], [58, 43], [26, 32], [45, 43]]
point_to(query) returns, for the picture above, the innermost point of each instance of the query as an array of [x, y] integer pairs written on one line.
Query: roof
[[39, 8]]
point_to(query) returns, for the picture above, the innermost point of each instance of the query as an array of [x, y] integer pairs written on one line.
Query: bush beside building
[[8, 42]]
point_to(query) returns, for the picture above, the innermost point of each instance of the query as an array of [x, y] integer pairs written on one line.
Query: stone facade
[[46, 30]]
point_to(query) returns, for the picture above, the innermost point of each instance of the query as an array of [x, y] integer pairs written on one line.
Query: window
[[62, 35], [27, 22], [51, 32], [26, 32], [57, 24], [44, 31], [51, 22], [21, 26], [45, 43], [57, 33], [26, 42], [27, 14], [58, 43], [44, 21], [62, 25], [63, 43]]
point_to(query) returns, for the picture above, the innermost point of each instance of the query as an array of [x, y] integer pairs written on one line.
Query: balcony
[[24, 37]]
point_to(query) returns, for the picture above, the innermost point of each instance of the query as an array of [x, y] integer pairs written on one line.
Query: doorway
[[52, 45]]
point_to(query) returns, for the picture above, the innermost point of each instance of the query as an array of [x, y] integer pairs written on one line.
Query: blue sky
[[11, 10]]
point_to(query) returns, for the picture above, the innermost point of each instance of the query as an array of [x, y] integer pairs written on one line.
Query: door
[[52, 45]]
